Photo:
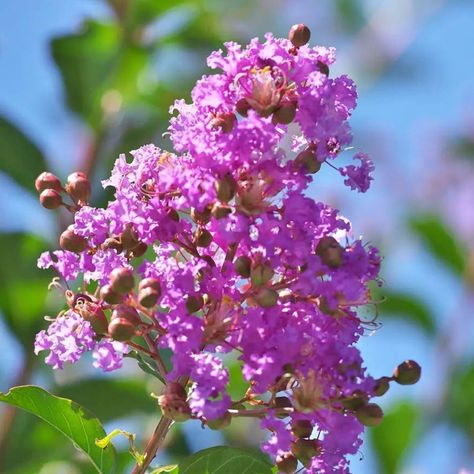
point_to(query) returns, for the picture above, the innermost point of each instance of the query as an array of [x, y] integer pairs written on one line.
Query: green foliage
[[438, 239], [69, 418], [223, 459], [394, 436], [19, 157]]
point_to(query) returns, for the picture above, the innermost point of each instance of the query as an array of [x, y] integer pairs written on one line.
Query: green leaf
[[121, 397], [440, 241], [394, 436], [408, 307], [73, 421], [19, 157], [225, 460], [460, 397]]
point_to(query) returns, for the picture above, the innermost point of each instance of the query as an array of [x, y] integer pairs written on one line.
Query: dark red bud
[[139, 250], [267, 297], [242, 107], [148, 297], [330, 252], [357, 400], [50, 199], [286, 463], [220, 423], [299, 35], [307, 161], [381, 386], [72, 242], [219, 212], [110, 296], [226, 188], [112, 243], [47, 181], [242, 266], [121, 329], [173, 214], [261, 273], [173, 402], [122, 280], [126, 312], [302, 428], [201, 217], [323, 68], [203, 238], [95, 315], [78, 186], [305, 449], [194, 303], [129, 237], [285, 114], [370, 414], [407, 373]]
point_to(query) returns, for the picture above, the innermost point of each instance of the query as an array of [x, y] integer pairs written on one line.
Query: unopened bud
[[112, 243], [299, 35], [221, 422], [122, 280], [47, 181], [95, 315], [267, 297], [219, 212], [203, 238], [225, 121], [370, 414], [308, 161], [330, 252], [201, 217], [50, 199], [173, 214], [285, 113], [121, 329], [139, 250], [357, 400], [242, 107], [124, 311], [261, 273], [242, 266], [286, 463], [110, 296], [194, 303], [72, 242], [381, 386], [148, 297], [226, 188], [302, 428], [407, 373], [305, 449], [150, 283], [78, 186], [129, 237], [173, 402], [323, 68]]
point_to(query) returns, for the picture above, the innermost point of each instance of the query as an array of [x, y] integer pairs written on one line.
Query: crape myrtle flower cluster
[[217, 249]]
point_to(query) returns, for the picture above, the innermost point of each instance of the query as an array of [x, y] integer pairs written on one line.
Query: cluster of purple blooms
[[233, 257]]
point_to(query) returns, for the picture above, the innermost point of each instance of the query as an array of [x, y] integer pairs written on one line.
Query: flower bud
[[201, 217], [78, 186], [121, 280], [261, 273], [95, 315], [150, 283], [370, 414], [173, 214], [47, 181], [285, 113], [224, 120], [357, 400], [323, 68], [112, 243], [242, 107], [124, 311], [381, 386], [226, 188], [50, 199], [129, 237], [219, 212], [267, 297], [242, 266], [148, 297], [407, 373], [305, 449], [72, 242], [221, 422], [302, 428], [299, 35], [139, 250], [194, 303], [110, 296], [173, 402], [203, 238], [286, 463], [121, 329], [330, 252], [308, 161]]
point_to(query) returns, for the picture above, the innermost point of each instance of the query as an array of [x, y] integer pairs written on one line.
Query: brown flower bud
[[78, 186], [286, 463], [173, 402], [407, 373], [306, 449], [381, 386], [129, 237], [194, 303], [323, 68], [203, 238], [242, 107], [357, 400], [226, 188], [122, 280], [302, 428], [124, 311], [148, 297], [242, 266], [285, 113], [261, 273], [225, 120], [72, 242], [50, 199], [219, 212], [121, 329], [93, 313], [330, 252], [267, 297], [173, 214], [308, 161], [47, 181], [220, 423], [110, 296], [150, 283], [112, 243], [139, 250], [370, 414], [201, 217], [299, 35]]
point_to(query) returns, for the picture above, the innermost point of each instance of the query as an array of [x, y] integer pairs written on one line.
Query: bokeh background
[[84, 80]]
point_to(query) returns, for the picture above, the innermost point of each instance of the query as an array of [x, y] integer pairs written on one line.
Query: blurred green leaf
[[394, 436], [236, 461], [408, 307], [459, 406], [440, 241], [119, 397], [350, 13], [237, 385], [19, 157], [69, 418], [24, 287]]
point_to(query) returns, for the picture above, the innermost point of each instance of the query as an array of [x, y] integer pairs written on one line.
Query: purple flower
[[358, 177], [108, 354]]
